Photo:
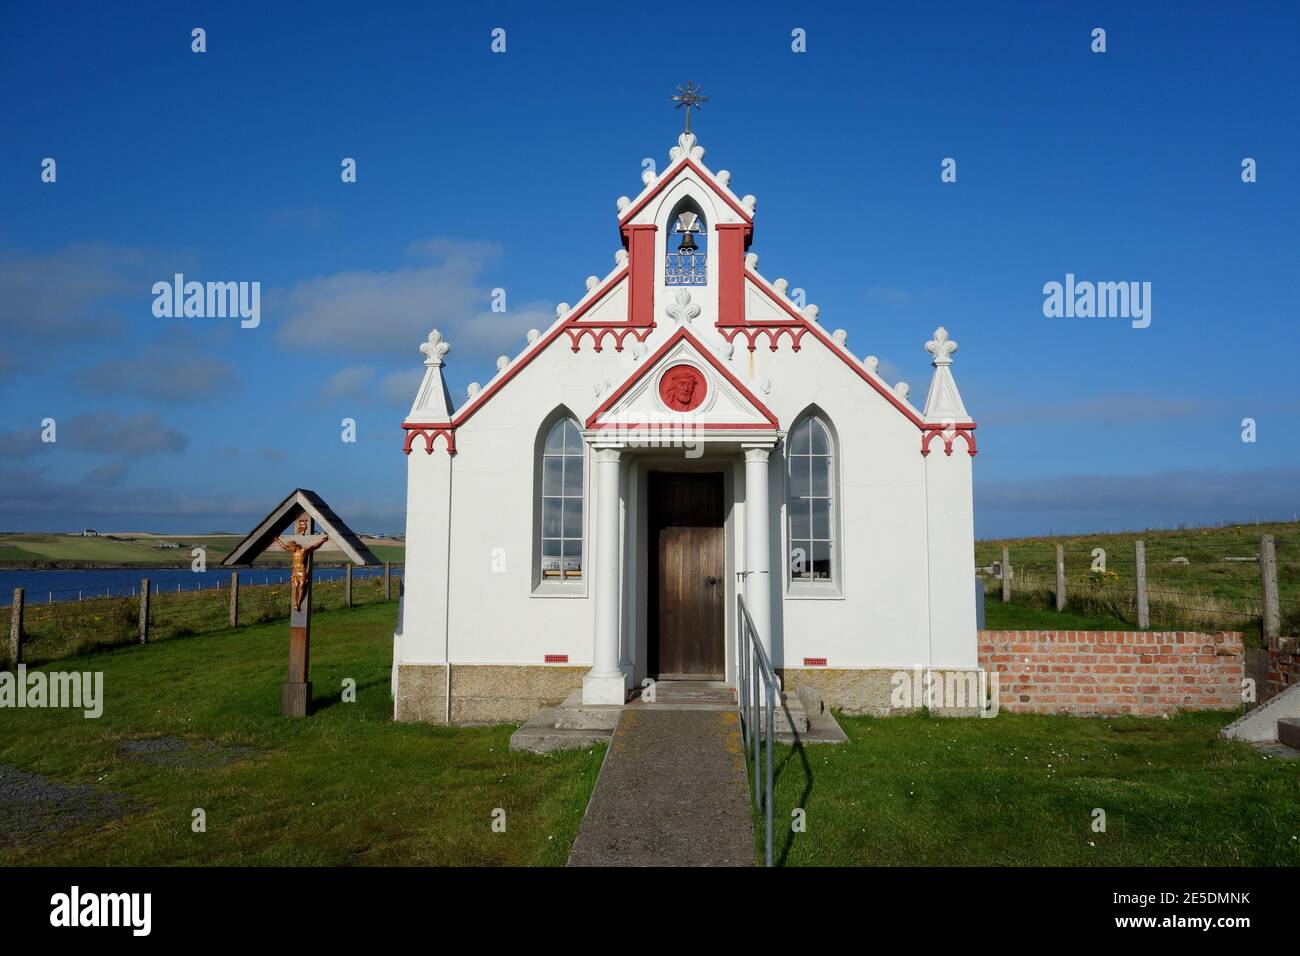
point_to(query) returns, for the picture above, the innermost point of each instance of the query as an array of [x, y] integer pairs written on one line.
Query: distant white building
[[684, 433], [90, 533]]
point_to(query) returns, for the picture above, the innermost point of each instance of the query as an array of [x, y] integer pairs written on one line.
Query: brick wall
[[1114, 672], [1283, 666]]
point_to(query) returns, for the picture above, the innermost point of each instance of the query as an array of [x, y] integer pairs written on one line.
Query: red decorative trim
[[671, 174], [819, 333], [814, 662], [429, 432], [732, 240], [523, 361], [949, 434], [773, 331], [704, 353], [556, 658], [597, 332], [640, 242]]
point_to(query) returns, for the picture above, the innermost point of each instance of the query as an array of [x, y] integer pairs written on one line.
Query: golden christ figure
[[301, 560]]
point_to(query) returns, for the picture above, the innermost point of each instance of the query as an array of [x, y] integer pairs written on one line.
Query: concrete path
[[672, 792]]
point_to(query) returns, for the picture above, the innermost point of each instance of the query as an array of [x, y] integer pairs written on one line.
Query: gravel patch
[[33, 807], [173, 751]]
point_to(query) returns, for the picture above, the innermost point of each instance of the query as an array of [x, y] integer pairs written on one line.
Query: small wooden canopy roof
[[301, 501]]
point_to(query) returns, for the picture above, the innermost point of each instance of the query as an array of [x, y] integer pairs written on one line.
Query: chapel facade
[[684, 434]]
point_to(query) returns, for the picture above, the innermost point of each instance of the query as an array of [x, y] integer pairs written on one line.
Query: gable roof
[[669, 175], [683, 334], [300, 501]]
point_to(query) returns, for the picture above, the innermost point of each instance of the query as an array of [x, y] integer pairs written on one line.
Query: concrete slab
[[540, 735], [1288, 732]]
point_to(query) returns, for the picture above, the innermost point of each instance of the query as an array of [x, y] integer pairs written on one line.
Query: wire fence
[[1217, 584], [55, 630]]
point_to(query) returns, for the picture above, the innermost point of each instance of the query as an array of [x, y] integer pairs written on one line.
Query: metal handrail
[[756, 676]]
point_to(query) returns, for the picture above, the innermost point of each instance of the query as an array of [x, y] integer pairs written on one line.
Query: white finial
[[841, 337], [474, 389], [780, 285], [622, 203], [941, 347], [620, 257], [592, 282], [765, 386], [725, 350], [502, 362], [871, 364], [638, 350], [901, 390], [562, 310], [648, 176], [723, 176], [434, 348], [534, 335], [810, 312], [751, 261], [749, 202]]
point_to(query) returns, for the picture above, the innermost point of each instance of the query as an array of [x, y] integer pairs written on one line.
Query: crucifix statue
[[300, 509], [688, 95], [300, 575]]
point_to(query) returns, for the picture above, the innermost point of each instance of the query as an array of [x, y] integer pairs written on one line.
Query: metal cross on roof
[[688, 95]]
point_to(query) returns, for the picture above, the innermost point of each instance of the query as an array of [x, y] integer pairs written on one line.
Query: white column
[[758, 576], [605, 683]]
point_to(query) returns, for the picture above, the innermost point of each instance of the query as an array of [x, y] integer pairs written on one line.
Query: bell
[[687, 245], [687, 224]]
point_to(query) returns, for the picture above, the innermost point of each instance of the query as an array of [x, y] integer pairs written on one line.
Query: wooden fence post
[[388, 580], [16, 628], [1268, 578], [1060, 577], [347, 586], [234, 599], [1140, 582], [144, 610], [1006, 574]]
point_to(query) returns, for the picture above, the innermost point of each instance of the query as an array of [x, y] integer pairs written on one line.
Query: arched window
[[687, 246], [811, 503], [560, 556]]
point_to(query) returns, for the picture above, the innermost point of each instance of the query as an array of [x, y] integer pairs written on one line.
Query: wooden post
[[1060, 577], [1268, 578], [347, 585], [16, 628], [295, 694], [1006, 574], [234, 599], [144, 610], [1140, 582], [388, 580]]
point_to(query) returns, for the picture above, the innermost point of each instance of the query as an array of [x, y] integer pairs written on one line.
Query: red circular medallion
[[682, 388]]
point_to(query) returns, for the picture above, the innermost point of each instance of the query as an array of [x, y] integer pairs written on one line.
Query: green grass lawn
[[345, 786], [1010, 616], [1021, 790], [71, 551]]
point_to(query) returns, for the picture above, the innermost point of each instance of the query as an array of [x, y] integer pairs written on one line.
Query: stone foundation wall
[[1114, 672], [481, 693], [880, 692]]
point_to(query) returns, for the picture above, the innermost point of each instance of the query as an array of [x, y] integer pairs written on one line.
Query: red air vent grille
[[814, 662], [557, 658]]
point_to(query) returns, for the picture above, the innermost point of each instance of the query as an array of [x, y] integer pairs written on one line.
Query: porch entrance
[[687, 584]]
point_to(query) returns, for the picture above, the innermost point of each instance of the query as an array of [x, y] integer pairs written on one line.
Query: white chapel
[[683, 435]]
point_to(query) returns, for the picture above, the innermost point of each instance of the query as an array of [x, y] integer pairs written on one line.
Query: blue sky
[[479, 170]]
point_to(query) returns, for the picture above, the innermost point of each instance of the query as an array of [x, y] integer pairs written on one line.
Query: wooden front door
[[687, 565]]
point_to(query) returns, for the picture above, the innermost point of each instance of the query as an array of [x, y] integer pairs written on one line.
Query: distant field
[[1217, 586], [72, 551]]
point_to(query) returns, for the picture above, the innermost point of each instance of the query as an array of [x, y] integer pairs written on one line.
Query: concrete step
[[1288, 732], [540, 735], [574, 715]]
